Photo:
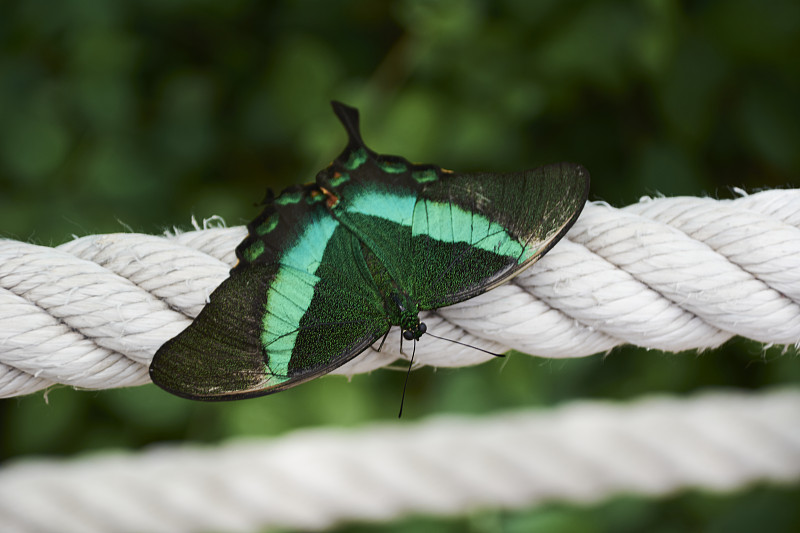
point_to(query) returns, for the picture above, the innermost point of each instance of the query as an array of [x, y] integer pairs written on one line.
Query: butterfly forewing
[[299, 303]]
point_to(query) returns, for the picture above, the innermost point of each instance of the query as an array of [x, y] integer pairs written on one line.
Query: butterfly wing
[[472, 232], [446, 237], [299, 303]]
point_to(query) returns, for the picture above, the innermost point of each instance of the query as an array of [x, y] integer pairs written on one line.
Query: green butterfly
[[327, 268]]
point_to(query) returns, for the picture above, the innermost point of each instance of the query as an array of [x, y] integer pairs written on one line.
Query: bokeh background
[[119, 116]]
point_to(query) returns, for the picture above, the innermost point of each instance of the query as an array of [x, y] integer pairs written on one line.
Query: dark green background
[[141, 114]]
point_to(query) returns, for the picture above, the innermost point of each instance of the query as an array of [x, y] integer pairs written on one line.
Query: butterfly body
[[328, 268]]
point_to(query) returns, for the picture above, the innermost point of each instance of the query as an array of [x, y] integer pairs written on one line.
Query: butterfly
[[329, 267]]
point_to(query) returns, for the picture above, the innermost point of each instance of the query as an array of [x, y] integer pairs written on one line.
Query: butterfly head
[[413, 329]]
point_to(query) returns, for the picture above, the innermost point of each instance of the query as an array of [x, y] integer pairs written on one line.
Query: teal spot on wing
[[268, 225], [339, 179], [392, 167], [357, 158], [290, 295], [314, 198], [424, 176], [287, 198], [254, 251]]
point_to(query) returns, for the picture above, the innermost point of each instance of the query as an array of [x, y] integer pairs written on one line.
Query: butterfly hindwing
[[299, 303], [445, 237]]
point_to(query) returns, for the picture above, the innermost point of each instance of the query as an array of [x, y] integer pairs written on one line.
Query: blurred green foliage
[[145, 113]]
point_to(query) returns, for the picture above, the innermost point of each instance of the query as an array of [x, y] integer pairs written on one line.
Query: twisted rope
[[313, 479], [670, 274]]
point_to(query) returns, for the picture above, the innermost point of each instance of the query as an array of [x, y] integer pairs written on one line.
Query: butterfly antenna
[[465, 344], [405, 384]]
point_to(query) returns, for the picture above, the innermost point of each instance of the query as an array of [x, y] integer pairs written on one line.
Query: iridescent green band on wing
[[290, 295], [442, 222]]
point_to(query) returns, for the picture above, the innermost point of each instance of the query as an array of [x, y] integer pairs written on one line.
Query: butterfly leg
[[383, 340]]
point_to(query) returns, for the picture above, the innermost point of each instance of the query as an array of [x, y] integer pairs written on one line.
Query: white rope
[[313, 479], [668, 273]]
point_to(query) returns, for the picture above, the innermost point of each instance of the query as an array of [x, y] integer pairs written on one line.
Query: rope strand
[[314, 479]]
